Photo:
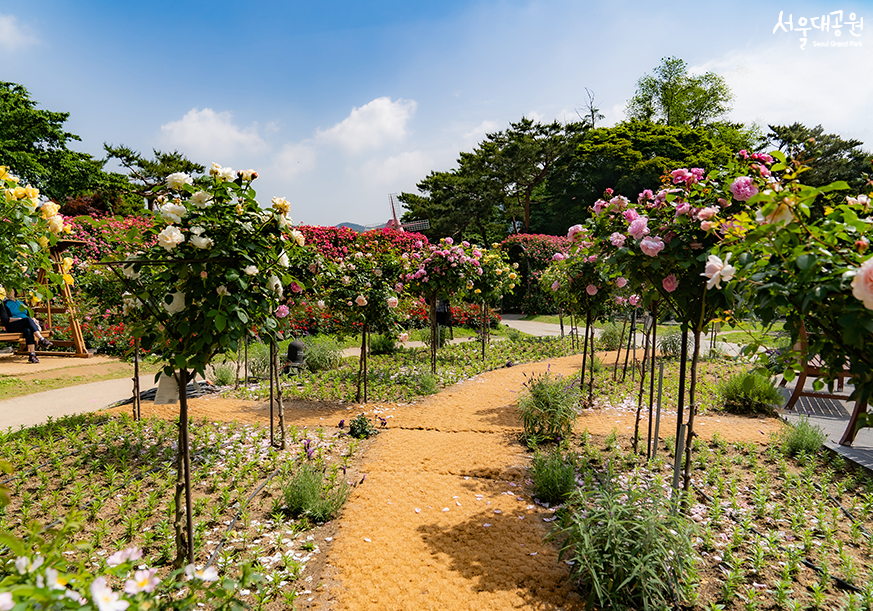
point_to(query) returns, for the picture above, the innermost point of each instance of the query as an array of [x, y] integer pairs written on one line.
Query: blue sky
[[339, 103]]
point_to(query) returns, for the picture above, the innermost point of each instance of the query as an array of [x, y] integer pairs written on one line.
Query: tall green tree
[[34, 145], [829, 156], [522, 157], [671, 96], [147, 177], [630, 157]]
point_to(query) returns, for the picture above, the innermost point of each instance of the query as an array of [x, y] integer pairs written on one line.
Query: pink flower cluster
[[685, 176]]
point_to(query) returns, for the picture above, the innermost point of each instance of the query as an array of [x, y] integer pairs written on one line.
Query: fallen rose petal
[[417, 510]]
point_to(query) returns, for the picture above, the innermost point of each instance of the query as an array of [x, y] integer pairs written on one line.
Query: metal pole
[[272, 375], [652, 376], [137, 408], [677, 460], [186, 457], [658, 416]]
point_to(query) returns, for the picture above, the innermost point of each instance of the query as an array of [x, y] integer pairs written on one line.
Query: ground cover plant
[[760, 529], [406, 374], [118, 475]]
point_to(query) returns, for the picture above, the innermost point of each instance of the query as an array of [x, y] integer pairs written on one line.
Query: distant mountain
[[360, 228]]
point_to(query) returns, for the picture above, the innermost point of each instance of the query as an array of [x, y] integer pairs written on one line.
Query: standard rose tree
[[215, 274], [816, 271]]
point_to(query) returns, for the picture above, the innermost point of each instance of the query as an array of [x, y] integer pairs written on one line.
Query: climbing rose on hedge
[[670, 283]]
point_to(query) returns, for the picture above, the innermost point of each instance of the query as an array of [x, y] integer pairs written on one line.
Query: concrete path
[[39, 407]]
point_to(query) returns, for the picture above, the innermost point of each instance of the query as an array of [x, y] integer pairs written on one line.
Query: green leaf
[[232, 275], [788, 374], [220, 322], [805, 262], [242, 316]]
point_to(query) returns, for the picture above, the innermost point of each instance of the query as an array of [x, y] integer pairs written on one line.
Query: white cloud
[[397, 173], [815, 86], [13, 36], [206, 134], [477, 134], [372, 125], [294, 159]]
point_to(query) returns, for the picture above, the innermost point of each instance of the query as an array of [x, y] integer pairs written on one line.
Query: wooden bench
[[18, 338], [813, 367]]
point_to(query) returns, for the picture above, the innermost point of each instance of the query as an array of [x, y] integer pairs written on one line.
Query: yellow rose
[[2, 288], [56, 224], [67, 265], [43, 241], [49, 210], [19, 192], [31, 192], [68, 279], [477, 291], [67, 229], [513, 276]]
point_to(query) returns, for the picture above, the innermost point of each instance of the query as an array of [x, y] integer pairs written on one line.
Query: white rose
[[781, 215], [718, 270], [173, 213], [226, 174], [404, 337], [248, 175], [196, 230], [201, 199], [298, 237], [201, 242], [361, 300], [392, 302], [862, 284], [321, 305], [170, 237], [251, 270], [282, 221], [377, 272], [129, 272], [346, 280], [283, 259], [275, 285], [215, 169], [176, 305], [222, 290], [178, 180]]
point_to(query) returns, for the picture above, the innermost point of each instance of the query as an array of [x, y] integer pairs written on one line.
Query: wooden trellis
[[64, 306]]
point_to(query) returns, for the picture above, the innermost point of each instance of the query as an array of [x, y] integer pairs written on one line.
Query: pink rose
[[618, 203], [621, 282], [598, 207], [591, 289], [683, 208], [617, 239], [645, 196], [670, 283], [862, 284], [576, 233], [557, 257], [634, 300], [744, 188], [404, 337], [639, 227], [706, 225], [620, 300], [555, 285], [652, 246], [630, 215], [282, 311], [706, 213]]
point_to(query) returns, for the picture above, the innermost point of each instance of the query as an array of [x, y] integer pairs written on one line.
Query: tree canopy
[[671, 96], [34, 145], [147, 177]]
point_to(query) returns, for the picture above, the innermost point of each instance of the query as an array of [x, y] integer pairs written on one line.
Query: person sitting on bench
[[14, 317]]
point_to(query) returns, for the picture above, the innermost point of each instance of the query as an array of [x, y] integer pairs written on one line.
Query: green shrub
[[383, 344], [442, 336], [749, 393], [629, 549], [670, 343], [308, 494], [425, 384], [553, 475], [223, 374], [513, 334], [547, 407], [323, 352], [259, 360], [610, 335], [361, 428], [801, 438]]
